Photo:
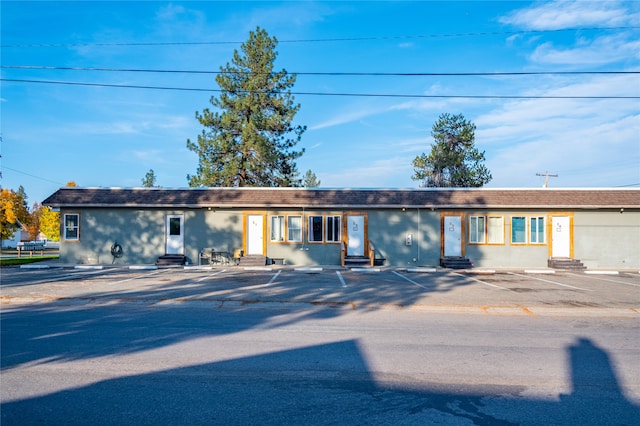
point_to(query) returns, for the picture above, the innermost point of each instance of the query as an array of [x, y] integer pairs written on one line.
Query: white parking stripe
[[274, 277], [138, 276], [609, 280], [344, 284], [410, 280], [549, 281], [69, 276], [480, 281], [210, 275]]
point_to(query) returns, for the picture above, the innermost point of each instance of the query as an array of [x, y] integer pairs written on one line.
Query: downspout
[[419, 235]]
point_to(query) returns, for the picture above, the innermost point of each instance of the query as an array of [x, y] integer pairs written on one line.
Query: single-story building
[[311, 226]]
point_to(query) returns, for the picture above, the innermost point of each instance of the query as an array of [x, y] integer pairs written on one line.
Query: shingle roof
[[344, 198]]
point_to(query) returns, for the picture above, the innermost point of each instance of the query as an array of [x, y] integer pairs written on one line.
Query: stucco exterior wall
[[389, 229], [601, 238], [607, 239]]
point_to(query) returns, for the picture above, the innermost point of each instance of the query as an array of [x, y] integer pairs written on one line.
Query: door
[[174, 234], [452, 236], [560, 236], [255, 234], [355, 235]]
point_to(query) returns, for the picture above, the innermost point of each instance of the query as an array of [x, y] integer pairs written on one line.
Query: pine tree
[[249, 139], [310, 180], [149, 180], [454, 161]]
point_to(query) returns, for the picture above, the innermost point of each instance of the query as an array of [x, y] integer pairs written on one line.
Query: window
[[294, 228], [315, 229], [277, 228], [518, 230], [72, 227], [476, 229], [536, 230], [174, 225], [495, 230], [333, 229]]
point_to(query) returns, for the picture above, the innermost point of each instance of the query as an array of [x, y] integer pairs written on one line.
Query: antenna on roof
[[546, 175]]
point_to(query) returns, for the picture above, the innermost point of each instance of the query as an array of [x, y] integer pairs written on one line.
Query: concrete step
[[253, 260], [565, 263], [171, 260], [456, 263]]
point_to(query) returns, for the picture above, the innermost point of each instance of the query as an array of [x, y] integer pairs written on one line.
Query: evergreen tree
[[149, 180], [310, 180], [249, 139], [454, 160]]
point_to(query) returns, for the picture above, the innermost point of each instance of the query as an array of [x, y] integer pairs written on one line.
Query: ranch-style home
[[457, 228]]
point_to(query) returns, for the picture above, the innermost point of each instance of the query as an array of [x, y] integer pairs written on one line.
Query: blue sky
[[108, 136]]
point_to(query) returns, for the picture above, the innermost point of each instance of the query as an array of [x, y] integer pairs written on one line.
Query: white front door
[[174, 234], [355, 235], [561, 236], [255, 234], [452, 236]]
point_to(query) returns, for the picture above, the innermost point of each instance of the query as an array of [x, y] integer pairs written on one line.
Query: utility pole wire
[[337, 74], [546, 175], [321, 40], [369, 95]]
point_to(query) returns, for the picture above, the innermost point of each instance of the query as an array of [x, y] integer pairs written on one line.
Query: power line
[[319, 40], [369, 95], [357, 74], [33, 176]]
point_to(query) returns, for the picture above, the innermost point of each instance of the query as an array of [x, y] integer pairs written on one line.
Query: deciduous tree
[[13, 212], [249, 137], [454, 161], [50, 223]]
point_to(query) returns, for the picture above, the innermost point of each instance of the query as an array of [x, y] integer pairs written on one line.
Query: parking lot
[[490, 292]]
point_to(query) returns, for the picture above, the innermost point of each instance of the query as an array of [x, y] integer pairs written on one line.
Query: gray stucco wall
[[602, 239], [607, 239], [388, 231]]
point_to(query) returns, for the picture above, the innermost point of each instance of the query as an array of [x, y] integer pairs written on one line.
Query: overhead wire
[[319, 40], [331, 73], [344, 94]]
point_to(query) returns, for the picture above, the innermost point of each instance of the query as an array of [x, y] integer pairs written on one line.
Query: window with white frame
[[277, 228], [316, 229], [518, 230], [536, 230], [495, 230], [476, 229], [333, 229], [71, 227], [294, 229]]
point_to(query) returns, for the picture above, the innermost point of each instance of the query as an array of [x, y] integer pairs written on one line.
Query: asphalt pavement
[[490, 292]]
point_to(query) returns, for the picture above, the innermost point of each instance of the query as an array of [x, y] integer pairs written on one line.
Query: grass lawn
[[12, 261]]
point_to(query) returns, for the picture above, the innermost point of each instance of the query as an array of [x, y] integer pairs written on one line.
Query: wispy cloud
[[577, 136], [573, 14], [377, 174], [602, 50]]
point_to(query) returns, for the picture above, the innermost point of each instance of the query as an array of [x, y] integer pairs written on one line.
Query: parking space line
[[210, 275], [138, 276], [344, 284], [607, 279], [480, 281], [410, 280], [71, 276], [274, 277], [549, 281]]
